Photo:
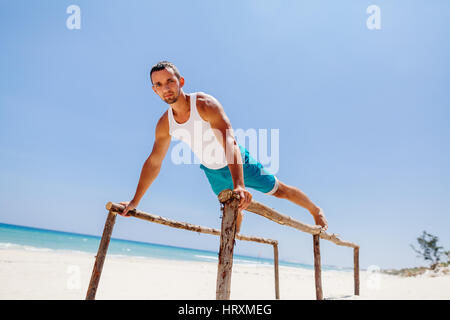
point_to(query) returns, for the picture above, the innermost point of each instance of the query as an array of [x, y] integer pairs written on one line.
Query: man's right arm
[[152, 165]]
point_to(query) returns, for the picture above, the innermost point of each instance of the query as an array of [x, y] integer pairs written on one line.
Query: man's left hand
[[245, 197]]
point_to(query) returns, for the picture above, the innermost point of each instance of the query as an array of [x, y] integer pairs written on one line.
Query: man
[[190, 118]]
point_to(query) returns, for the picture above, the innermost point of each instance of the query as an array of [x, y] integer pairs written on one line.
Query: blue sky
[[363, 117]]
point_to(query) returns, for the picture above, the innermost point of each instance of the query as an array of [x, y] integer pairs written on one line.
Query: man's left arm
[[212, 111]]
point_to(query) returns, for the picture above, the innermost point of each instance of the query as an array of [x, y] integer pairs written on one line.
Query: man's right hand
[[128, 206]]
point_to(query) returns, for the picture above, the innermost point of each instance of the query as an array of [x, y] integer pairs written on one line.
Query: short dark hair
[[161, 65]]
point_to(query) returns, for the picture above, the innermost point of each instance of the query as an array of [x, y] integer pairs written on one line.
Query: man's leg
[[239, 221], [296, 196]]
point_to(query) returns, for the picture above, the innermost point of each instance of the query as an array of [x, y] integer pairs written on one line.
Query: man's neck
[[181, 107]]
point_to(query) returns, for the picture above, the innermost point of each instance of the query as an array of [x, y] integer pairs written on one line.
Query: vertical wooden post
[[101, 254], [317, 267], [356, 269], [230, 203], [277, 279]]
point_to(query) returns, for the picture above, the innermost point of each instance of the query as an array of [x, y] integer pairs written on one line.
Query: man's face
[[167, 85]]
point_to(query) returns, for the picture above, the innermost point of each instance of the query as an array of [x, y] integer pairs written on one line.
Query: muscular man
[[190, 118]]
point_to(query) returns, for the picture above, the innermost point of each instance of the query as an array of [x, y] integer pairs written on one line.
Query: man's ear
[[181, 82]]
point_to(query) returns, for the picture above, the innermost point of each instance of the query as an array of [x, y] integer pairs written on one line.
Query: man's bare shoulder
[[207, 105], [162, 127]]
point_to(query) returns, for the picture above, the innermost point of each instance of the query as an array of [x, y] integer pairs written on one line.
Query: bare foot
[[319, 218]]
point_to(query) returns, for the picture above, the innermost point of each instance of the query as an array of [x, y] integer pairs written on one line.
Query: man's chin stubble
[[171, 101]]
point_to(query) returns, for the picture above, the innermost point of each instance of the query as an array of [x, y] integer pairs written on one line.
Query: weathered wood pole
[[230, 203], [100, 257], [317, 267], [277, 279], [356, 269]]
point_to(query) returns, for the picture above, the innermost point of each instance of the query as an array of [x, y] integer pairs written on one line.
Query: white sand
[[65, 275]]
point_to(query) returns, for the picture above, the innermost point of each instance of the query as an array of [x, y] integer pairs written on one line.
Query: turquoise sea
[[34, 239]]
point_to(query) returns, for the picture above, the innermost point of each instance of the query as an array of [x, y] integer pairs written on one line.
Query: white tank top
[[199, 136]]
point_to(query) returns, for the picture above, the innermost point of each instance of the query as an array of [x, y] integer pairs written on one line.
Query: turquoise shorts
[[255, 176]]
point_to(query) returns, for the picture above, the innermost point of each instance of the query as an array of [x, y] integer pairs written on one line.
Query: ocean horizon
[[39, 239]]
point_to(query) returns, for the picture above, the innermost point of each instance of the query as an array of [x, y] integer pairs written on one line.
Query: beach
[[59, 275]]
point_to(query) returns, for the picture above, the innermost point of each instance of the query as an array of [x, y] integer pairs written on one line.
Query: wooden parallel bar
[[317, 232], [100, 257], [227, 236], [277, 277], [356, 269], [115, 207], [317, 267], [283, 219]]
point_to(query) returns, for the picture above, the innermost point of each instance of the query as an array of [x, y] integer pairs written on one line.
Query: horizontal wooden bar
[[283, 219], [115, 207]]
